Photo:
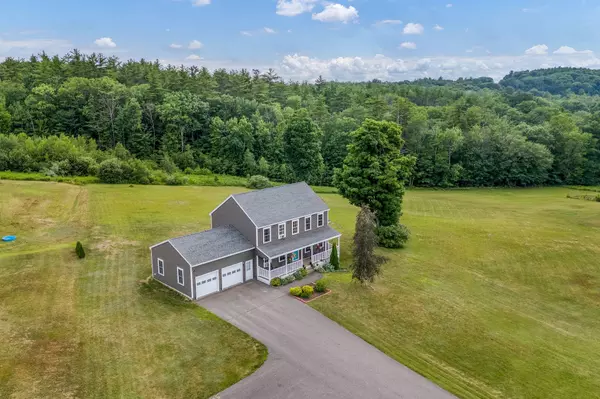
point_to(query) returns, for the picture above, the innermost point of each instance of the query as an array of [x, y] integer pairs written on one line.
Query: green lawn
[[496, 295], [91, 328]]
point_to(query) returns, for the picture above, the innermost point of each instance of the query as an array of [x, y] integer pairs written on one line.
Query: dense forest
[[79, 113]]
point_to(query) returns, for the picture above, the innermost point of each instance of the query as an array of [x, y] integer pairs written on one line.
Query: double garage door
[[209, 283]]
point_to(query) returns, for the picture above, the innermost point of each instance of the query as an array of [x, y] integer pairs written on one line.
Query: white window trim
[[309, 220], [159, 263], [306, 250], [323, 215], [297, 221], [264, 232], [279, 235], [284, 258], [182, 276]]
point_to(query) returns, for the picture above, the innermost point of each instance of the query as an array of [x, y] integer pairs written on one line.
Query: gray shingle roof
[[276, 204], [281, 247], [211, 244]]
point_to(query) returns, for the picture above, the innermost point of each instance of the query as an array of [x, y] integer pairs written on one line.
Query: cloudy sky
[[301, 39]]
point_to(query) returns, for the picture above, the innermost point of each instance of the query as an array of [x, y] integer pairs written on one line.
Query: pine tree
[[79, 250], [334, 259], [366, 265]]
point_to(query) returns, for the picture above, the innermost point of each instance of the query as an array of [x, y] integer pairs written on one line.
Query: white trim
[[160, 243], [309, 218], [270, 238], [159, 261], [284, 258], [182, 276], [221, 204], [238, 204], [310, 245], [297, 226], [279, 235], [223, 257], [320, 214], [295, 217], [305, 249], [174, 289]]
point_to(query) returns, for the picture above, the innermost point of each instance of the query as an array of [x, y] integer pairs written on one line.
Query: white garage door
[[207, 284], [232, 275]]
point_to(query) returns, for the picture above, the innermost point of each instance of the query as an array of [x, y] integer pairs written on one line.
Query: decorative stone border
[[314, 298]]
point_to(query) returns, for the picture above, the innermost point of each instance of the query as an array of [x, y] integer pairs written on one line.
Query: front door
[[249, 270]]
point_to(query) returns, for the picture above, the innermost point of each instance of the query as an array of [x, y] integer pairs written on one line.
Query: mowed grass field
[[90, 328], [496, 295]]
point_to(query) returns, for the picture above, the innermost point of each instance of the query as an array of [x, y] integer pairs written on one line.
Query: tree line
[[469, 132]]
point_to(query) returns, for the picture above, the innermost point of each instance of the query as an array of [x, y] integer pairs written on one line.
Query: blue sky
[[343, 39]]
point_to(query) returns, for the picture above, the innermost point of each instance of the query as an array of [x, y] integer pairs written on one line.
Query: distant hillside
[[559, 81]]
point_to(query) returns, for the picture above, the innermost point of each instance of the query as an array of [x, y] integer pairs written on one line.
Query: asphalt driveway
[[310, 356]]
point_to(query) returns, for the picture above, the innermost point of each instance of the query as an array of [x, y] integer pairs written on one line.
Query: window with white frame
[[307, 223], [160, 266], [307, 250], [267, 234], [282, 259], [180, 279], [295, 226], [320, 219], [281, 231]]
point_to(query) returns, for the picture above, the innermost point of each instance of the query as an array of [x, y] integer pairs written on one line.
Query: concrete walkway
[[310, 356]]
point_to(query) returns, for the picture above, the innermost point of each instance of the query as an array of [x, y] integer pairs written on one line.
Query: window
[[161, 267], [281, 230], [248, 265], [180, 279], [306, 250], [307, 222], [320, 219], [282, 259], [295, 226], [267, 234]]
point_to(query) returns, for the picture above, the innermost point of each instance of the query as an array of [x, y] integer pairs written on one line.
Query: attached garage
[[232, 275], [207, 284]]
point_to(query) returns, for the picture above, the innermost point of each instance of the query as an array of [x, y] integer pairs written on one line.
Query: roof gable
[[276, 204]]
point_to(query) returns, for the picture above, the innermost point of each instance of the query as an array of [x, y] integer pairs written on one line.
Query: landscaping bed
[[310, 292]]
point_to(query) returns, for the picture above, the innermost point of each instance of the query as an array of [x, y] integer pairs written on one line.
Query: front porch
[[287, 264]]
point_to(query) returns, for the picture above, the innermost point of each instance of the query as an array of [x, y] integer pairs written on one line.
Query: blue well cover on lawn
[[9, 238]]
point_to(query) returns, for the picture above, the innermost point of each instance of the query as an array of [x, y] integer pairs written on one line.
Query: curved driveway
[[310, 356]]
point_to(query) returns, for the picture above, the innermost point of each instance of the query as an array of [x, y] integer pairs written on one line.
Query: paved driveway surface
[[310, 356]]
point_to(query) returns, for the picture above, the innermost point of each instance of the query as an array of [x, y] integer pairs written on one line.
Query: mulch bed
[[314, 296]]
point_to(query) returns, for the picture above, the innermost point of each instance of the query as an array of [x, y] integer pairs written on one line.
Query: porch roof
[[282, 247]]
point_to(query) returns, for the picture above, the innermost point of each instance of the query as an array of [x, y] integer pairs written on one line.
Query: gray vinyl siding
[[221, 263], [172, 260], [288, 229], [229, 213]]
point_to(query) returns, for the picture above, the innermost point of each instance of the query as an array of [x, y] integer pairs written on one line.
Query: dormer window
[[267, 234], [281, 231]]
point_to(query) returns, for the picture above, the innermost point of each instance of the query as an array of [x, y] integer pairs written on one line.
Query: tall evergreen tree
[[366, 265]]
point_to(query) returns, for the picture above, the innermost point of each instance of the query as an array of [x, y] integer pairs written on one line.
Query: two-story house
[[257, 235]]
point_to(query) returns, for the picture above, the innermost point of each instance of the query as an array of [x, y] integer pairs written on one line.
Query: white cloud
[[571, 50], [33, 45], [105, 42], [175, 45], [388, 22], [408, 45], [200, 3], [195, 44], [291, 8], [269, 30], [336, 13], [413, 29], [193, 57], [449, 5], [246, 33], [438, 27], [538, 49]]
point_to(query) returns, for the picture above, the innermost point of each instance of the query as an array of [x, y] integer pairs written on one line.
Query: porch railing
[[322, 256], [264, 273], [287, 269]]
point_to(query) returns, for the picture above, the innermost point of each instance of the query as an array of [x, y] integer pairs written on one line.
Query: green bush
[[335, 259], [79, 250], [307, 291], [321, 286], [258, 182], [298, 275], [175, 180], [276, 282], [393, 236], [303, 272], [296, 291], [111, 171], [287, 280]]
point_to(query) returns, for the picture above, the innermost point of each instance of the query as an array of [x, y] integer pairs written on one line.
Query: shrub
[[79, 250], [393, 236], [138, 172], [321, 286], [276, 282], [258, 182], [175, 180], [303, 272], [83, 166], [111, 171], [307, 291], [335, 259], [287, 280], [298, 275], [296, 291]]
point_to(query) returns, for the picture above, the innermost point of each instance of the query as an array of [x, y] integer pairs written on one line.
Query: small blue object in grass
[[9, 238]]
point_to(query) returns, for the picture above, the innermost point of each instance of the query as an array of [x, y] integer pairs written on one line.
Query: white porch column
[[339, 247]]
